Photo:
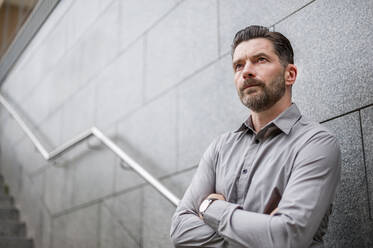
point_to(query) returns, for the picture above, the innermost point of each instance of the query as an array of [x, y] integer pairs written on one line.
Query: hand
[[216, 196]]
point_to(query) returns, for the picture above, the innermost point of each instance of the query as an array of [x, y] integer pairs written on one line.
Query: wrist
[[205, 205]]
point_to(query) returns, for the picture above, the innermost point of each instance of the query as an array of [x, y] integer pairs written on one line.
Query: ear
[[290, 74]]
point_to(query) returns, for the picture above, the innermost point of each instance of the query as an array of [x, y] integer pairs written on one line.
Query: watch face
[[204, 205]]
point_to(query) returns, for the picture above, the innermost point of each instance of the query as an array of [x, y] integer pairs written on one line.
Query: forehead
[[252, 47]]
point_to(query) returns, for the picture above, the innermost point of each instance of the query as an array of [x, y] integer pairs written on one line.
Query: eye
[[262, 59], [238, 67]]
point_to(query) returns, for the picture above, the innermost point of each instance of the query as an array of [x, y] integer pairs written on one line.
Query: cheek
[[237, 79]]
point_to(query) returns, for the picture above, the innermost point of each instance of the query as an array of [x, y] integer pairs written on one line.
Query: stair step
[[6, 202], [7, 242], [12, 229], [2, 191], [9, 214]]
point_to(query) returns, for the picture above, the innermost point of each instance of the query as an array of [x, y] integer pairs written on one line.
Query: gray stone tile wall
[[235, 15], [138, 16], [11, 131], [58, 188], [32, 209], [29, 156], [113, 231], [78, 113], [150, 135], [367, 131], [350, 224], [332, 46], [93, 174], [119, 88], [156, 220], [127, 208], [176, 46], [78, 229], [156, 77]]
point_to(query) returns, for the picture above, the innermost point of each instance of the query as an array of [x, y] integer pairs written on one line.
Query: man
[[270, 183]]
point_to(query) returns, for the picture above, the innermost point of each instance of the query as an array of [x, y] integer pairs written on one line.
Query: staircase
[[12, 231]]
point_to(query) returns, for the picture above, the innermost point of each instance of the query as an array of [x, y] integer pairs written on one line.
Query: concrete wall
[[156, 76]]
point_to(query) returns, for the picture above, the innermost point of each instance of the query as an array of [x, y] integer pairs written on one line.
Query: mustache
[[252, 82]]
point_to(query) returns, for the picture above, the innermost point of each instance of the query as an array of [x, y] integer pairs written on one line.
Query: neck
[[260, 119]]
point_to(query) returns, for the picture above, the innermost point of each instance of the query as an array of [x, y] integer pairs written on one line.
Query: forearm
[[249, 229], [293, 225], [237, 226], [188, 230]]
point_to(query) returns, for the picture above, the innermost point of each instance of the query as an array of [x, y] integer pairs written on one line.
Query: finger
[[217, 196]]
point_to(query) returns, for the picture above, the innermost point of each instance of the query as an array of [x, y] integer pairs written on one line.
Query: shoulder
[[315, 141], [220, 143], [309, 131], [226, 138]]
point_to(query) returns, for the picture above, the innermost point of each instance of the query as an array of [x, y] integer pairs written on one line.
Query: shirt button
[[244, 171], [256, 141]]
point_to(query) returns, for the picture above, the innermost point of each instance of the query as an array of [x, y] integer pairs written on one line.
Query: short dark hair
[[280, 43]]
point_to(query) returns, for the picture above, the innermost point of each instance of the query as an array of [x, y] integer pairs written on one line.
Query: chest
[[247, 171]]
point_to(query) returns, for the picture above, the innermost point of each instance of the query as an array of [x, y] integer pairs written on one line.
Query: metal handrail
[[93, 131]]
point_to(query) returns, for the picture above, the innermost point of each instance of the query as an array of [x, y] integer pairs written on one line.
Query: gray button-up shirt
[[291, 156]]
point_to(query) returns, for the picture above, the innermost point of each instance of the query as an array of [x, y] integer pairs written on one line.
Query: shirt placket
[[245, 173]]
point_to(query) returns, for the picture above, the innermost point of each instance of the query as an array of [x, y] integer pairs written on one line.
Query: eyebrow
[[254, 56], [261, 54]]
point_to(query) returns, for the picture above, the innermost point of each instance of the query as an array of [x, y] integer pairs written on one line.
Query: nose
[[248, 71]]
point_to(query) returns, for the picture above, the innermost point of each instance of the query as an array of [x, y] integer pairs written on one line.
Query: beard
[[266, 96]]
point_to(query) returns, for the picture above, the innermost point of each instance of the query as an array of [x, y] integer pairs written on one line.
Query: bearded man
[[271, 183]]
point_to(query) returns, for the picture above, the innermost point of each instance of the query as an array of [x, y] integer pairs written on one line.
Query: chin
[[251, 93]]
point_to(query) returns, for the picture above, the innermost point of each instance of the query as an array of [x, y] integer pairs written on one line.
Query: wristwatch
[[205, 204]]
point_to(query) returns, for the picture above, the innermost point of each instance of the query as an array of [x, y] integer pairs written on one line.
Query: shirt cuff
[[215, 212]]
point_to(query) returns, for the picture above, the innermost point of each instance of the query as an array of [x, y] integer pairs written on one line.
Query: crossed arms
[[305, 200]]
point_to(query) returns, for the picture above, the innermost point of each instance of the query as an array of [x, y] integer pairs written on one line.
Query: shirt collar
[[285, 121]]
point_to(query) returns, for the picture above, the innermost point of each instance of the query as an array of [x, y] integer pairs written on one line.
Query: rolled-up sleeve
[[306, 199]]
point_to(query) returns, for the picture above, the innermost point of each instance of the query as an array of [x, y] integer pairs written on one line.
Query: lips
[[249, 86], [251, 83]]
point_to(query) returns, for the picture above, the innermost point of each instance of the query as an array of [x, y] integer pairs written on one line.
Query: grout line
[[292, 13], [365, 165], [45, 167], [346, 113], [186, 78], [127, 48], [218, 25], [177, 127], [144, 68], [58, 22], [51, 236], [89, 81], [116, 164], [142, 204], [109, 196], [114, 215], [287, 16], [76, 42], [110, 61], [98, 228]]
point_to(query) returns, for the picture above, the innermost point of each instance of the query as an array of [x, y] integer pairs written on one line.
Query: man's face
[[258, 74]]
